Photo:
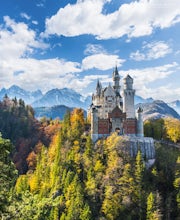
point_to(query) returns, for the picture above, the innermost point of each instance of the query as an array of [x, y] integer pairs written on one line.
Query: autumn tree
[[173, 129], [77, 123]]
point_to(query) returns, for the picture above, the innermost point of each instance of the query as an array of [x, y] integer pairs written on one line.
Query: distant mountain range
[[67, 97], [157, 109], [55, 103], [19, 93]]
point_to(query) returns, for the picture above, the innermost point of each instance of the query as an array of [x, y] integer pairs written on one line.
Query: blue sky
[[47, 44]]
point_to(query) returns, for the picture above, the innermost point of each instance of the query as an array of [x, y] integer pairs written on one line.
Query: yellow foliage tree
[[22, 184], [172, 126], [77, 123], [34, 183]]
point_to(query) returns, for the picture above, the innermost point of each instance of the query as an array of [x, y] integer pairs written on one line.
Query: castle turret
[[116, 79], [128, 101], [140, 128], [94, 124]]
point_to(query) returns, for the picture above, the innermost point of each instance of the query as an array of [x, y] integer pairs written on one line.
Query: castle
[[112, 112]]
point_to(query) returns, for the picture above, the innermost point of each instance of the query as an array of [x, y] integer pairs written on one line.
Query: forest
[[51, 170]]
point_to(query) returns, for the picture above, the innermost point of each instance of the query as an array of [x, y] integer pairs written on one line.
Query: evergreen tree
[[139, 173], [153, 207], [8, 176], [177, 184]]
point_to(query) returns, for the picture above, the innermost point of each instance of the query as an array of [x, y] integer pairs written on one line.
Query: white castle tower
[[128, 97]]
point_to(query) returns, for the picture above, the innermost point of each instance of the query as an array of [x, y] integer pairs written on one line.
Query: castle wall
[[143, 144], [108, 102], [130, 126], [103, 126], [117, 125]]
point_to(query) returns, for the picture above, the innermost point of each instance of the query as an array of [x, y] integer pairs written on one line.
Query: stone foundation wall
[[144, 144]]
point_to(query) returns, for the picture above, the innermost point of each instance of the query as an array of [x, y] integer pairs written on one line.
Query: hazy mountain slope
[[139, 99], [67, 97], [157, 109], [175, 105], [51, 112]]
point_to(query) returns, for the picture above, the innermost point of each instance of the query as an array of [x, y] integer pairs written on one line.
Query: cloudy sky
[[47, 44]]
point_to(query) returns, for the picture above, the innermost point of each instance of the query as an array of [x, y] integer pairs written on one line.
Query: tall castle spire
[[116, 79], [98, 88]]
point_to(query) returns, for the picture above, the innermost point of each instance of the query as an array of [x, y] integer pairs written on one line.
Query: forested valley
[[51, 170]]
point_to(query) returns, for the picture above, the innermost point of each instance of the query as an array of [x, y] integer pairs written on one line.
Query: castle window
[[109, 99]]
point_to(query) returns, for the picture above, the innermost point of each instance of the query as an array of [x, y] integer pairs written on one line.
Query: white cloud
[[26, 16], [101, 61], [94, 49], [35, 22], [144, 78], [17, 44], [151, 51], [165, 93], [17, 40], [41, 4], [138, 18], [44, 74], [151, 74], [138, 56]]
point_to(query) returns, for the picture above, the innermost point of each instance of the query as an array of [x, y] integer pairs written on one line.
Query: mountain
[[175, 105], [67, 97], [139, 99], [19, 93], [157, 109], [51, 112], [71, 98], [55, 102]]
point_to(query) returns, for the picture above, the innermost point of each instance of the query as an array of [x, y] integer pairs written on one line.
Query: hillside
[[75, 179], [17, 123], [51, 112]]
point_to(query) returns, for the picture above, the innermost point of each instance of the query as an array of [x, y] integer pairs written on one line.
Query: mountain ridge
[[157, 109], [53, 103], [19, 93]]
